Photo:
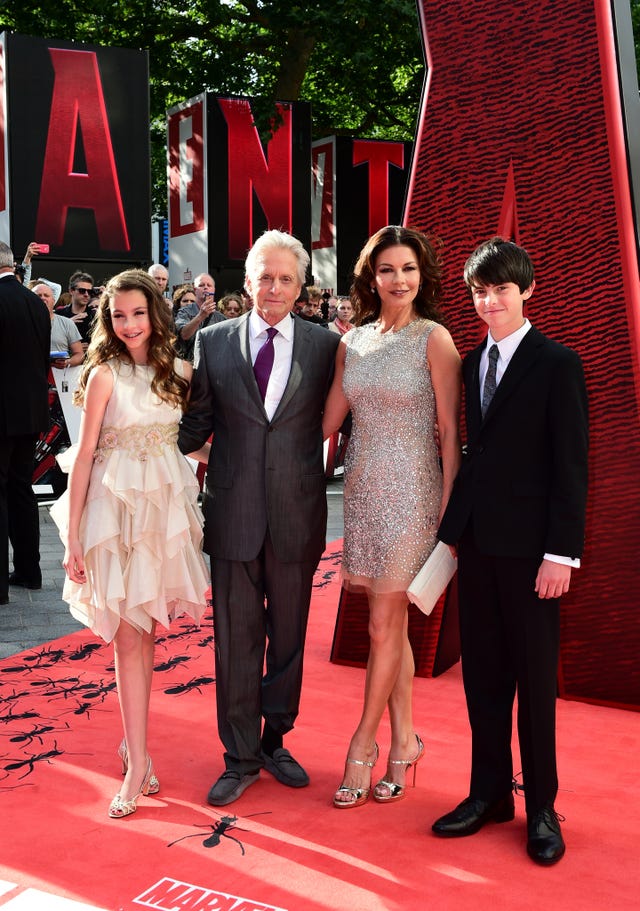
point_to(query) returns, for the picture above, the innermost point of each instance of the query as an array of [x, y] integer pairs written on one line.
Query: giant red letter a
[[78, 98]]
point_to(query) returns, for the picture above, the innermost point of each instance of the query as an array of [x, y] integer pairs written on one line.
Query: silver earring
[[373, 290]]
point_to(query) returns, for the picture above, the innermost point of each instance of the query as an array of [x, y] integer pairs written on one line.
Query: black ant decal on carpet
[[57, 687], [194, 684], [326, 578], [334, 559], [219, 830], [16, 669], [171, 663], [98, 691], [34, 734], [45, 658], [91, 690], [82, 708], [31, 761], [84, 651], [185, 631], [15, 696], [23, 716]]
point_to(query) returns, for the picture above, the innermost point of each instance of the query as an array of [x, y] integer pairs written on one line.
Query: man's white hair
[[6, 256], [56, 289], [277, 240]]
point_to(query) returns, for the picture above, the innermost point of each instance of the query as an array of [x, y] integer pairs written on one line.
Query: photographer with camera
[[81, 310], [193, 317]]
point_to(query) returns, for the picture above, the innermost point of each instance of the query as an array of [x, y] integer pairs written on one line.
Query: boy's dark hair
[[496, 261]]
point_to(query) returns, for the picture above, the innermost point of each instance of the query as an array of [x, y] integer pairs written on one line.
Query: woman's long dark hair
[[105, 344], [366, 302]]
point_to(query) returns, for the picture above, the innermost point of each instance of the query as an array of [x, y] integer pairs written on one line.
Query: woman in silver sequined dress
[[398, 372]]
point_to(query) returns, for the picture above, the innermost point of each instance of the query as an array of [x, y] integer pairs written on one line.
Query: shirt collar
[[257, 326], [508, 345]]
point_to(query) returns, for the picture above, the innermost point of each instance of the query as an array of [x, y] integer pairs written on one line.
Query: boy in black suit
[[516, 515]]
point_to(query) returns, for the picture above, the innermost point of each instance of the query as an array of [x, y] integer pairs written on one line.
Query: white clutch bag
[[433, 578]]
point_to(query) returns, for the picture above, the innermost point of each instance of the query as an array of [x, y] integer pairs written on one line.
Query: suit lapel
[[299, 356], [241, 350], [474, 412], [523, 359]]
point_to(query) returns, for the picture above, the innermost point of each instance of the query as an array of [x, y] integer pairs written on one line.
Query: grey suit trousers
[[256, 601]]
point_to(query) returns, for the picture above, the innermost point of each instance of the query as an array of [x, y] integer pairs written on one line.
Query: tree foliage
[[635, 19], [359, 62]]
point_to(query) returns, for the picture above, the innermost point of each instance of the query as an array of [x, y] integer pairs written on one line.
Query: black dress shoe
[[470, 816], [4, 599], [229, 787], [33, 585], [545, 843], [285, 768]]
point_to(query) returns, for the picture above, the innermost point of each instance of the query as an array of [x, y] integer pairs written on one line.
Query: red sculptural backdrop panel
[[522, 134]]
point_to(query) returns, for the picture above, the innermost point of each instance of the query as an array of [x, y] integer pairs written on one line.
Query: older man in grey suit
[[259, 386]]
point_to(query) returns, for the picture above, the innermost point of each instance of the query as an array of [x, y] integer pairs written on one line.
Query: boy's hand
[[553, 579]]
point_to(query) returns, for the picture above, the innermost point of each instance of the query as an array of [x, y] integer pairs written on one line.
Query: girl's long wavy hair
[[168, 385], [366, 303]]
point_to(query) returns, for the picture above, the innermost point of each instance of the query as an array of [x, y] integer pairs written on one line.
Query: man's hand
[[208, 306], [553, 579]]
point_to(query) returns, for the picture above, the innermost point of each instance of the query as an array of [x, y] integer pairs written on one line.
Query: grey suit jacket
[[262, 474]]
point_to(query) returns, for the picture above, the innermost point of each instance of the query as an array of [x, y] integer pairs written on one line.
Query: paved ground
[[35, 618]]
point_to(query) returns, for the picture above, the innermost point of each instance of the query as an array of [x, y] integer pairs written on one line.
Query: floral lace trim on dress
[[138, 442]]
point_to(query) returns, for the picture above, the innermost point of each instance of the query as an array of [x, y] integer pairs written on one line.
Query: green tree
[[635, 18], [359, 62]]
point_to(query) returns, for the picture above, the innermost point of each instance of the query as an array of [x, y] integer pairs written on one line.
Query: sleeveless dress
[[141, 528], [393, 480]]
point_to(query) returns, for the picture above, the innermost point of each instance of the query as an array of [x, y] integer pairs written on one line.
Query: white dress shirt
[[506, 349], [282, 355]]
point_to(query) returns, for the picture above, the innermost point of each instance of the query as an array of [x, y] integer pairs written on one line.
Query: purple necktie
[[264, 362]]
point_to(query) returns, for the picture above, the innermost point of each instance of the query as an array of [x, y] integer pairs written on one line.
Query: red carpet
[[277, 847]]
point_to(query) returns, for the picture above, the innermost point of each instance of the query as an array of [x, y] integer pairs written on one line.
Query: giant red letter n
[[249, 171]]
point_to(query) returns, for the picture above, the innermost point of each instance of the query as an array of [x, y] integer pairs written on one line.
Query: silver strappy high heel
[[359, 795], [386, 791]]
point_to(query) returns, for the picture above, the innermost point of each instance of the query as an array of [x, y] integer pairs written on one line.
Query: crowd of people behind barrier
[[193, 306]]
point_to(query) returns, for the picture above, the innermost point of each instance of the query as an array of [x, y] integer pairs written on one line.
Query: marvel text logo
[[171, 895]]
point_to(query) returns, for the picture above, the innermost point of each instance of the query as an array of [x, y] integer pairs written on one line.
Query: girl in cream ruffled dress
[[130, 520]]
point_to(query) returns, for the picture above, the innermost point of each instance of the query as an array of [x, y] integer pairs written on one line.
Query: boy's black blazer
[[523, 482]]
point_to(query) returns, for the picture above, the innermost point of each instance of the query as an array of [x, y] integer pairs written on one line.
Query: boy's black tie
[[490, 379]]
